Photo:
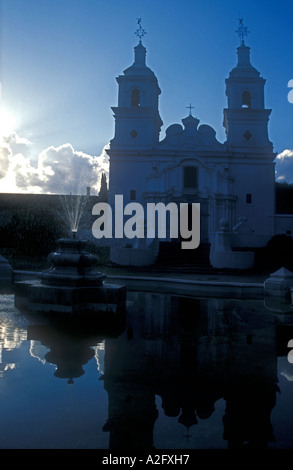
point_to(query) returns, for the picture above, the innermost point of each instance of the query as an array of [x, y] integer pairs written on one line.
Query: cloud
[[65, 170], [56, 170], [285, 154], [5, 155], [284, 166], [11, 148]]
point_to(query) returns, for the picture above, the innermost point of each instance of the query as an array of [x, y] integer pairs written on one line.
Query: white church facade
[[234, 181]]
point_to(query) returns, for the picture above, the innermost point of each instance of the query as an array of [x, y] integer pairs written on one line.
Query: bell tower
[[245, 118], [137, 119]]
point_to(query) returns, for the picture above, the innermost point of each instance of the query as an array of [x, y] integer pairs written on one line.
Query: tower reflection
[[192, 352]]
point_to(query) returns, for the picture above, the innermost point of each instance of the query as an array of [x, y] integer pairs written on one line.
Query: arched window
[[246, 99], [135, 97]]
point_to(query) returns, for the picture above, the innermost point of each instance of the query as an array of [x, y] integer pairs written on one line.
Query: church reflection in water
[[191, 352]]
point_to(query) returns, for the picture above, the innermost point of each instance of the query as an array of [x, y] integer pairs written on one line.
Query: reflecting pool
[[176, 373]]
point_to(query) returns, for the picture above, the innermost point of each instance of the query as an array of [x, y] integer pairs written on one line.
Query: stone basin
[[72, 285]]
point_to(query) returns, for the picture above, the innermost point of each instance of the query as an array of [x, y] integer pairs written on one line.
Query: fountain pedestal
[[72, 285]]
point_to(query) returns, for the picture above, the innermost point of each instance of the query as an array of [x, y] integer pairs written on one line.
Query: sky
[[59, 60]]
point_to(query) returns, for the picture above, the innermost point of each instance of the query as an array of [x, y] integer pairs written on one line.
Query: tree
[[284, 198], [33, 231], [103, 193]]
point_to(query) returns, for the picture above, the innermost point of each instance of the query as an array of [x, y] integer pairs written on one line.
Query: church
[[233, 181]]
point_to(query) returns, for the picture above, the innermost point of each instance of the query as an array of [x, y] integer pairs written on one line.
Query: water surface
[[179, 373]]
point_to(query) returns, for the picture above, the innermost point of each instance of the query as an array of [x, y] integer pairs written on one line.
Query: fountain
[[72, 287], [73, 208]]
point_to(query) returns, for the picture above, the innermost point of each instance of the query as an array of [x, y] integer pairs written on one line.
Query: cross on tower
[[242, 30], [190, 108], [140, 32]]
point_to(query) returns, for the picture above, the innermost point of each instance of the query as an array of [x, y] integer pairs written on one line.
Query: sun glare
[[7, 123]]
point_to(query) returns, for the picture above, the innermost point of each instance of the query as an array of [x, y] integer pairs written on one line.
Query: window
[[133, 133], [190, 177], [248, 198], [246, 99], [132, 194], [135, 98], [247, 135]]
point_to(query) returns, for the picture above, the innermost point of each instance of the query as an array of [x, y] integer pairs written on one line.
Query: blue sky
[[59, 60]]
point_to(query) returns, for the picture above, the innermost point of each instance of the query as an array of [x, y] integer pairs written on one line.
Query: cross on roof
[[140, 32], [242, 30], [190, 108]]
